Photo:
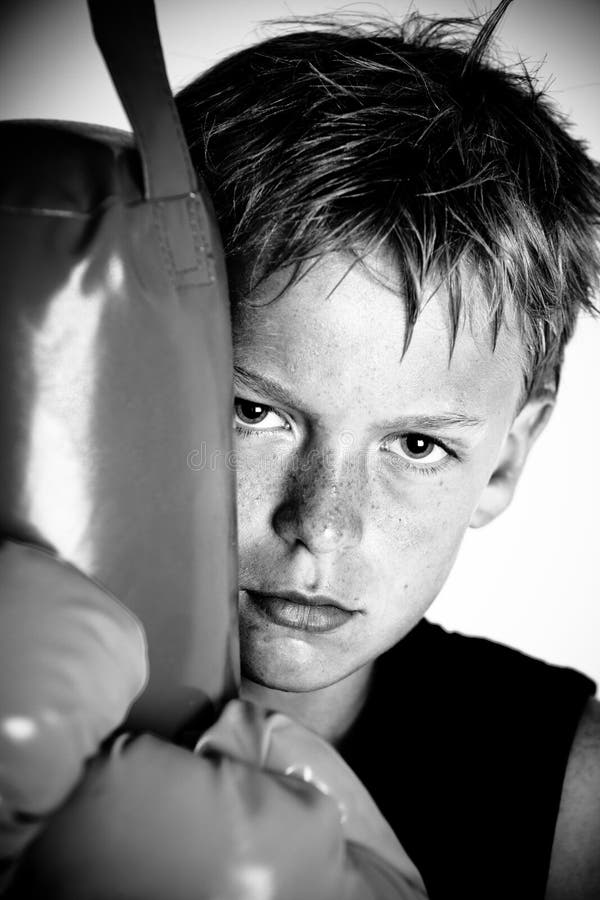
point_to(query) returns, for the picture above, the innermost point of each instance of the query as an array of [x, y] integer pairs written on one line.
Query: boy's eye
[[249, 414], [416, 448]]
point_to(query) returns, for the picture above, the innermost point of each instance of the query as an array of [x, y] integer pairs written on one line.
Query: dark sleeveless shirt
[[463, 744]]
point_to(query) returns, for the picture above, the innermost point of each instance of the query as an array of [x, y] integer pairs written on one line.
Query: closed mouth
[[302, 612]]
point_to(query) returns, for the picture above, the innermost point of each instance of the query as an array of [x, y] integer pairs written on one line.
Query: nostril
[[317, 529]]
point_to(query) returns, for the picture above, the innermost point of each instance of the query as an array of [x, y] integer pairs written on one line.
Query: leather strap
[[126, 32]]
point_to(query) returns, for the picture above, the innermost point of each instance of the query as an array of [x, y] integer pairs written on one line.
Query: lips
[[290, 609]]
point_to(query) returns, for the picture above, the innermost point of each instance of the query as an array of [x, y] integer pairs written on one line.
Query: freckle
[[405, 587]]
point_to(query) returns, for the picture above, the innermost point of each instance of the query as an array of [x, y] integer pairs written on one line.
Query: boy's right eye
[[252, 416]]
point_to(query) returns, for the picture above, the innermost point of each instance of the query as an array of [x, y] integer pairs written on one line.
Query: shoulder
[[484, 667], [575, 865], [514, 742]]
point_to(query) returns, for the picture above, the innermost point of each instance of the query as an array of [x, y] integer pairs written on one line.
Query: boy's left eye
[[416, 448]]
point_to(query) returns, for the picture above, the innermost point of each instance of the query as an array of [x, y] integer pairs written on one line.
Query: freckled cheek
[[422, 528], [259, 483]]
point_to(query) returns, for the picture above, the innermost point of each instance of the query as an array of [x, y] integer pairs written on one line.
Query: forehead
[[344, 324]]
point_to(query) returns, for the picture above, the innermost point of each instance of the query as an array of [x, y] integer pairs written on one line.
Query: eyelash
[[252, 432], [246, 432], [423, 470]]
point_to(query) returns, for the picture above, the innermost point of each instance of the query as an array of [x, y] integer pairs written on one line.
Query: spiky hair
[[411, 136]]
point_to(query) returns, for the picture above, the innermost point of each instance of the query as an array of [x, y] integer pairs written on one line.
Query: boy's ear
[[498, 492]]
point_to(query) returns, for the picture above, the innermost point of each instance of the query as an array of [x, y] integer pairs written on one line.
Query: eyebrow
[[424, 423], [433, 422], [266, 386]]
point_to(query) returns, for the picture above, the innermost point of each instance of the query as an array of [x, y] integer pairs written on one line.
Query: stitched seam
[[163, 242], [199, 236]]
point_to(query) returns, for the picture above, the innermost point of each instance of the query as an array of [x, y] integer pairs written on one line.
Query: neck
[[329, 711]]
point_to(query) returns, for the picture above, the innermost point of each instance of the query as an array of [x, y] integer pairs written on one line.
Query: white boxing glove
[[72, 661]]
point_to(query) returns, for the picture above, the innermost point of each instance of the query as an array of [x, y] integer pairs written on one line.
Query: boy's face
[[358, 470]]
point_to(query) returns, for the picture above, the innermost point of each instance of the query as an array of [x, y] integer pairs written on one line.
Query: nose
[[322, 503]]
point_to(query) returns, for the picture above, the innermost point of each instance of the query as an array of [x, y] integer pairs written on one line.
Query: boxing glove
[[72, 661], [277, 744], [152, 821]]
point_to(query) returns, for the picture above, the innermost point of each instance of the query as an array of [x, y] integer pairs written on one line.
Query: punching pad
[[115, 361]]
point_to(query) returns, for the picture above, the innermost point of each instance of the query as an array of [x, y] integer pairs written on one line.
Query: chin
[[278, 678], [282, 660], [285, 665]]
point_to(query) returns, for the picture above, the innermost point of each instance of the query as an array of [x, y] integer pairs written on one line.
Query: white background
[[531, 579]]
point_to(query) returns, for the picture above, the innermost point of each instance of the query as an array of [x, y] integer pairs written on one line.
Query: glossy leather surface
[[115, 360], [72, 661], [266, 810]]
